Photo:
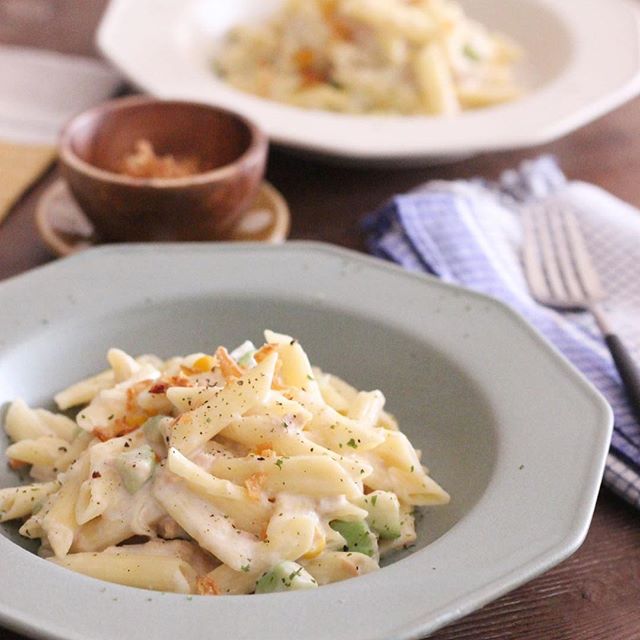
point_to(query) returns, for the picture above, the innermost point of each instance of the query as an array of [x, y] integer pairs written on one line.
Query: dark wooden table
[[593, 595]]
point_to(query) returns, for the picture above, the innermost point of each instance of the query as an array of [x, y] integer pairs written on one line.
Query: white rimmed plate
[[582, 60], [515, 434]]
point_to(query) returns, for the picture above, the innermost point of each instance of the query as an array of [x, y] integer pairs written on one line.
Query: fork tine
[[532, 259], [584, 266], [549, 258], [563, 252]]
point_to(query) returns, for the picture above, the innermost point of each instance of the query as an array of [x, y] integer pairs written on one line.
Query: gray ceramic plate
[[505, 424]]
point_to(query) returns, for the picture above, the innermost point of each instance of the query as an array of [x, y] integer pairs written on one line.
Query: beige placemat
[[20, 166]]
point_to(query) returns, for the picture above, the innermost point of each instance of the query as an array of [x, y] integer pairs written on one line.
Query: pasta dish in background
[[237, 473], [372, 56]]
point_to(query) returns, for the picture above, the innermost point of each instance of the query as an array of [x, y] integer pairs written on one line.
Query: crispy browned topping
[[145, 163], [228, 366], [254, 485], [206, 586], [263, 352]]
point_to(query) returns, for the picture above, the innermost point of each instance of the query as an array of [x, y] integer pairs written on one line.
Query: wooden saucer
[[65, 229]]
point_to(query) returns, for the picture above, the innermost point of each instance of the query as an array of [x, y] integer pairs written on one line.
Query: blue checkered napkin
[[469, 232]]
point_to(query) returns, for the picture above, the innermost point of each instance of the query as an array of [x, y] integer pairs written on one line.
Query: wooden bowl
[[204, 205]]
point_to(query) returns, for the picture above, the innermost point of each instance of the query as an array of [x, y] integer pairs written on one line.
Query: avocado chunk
[[243, 354], [357, 535], [286, 576], [384, 514], [136, 467], [154, 432]]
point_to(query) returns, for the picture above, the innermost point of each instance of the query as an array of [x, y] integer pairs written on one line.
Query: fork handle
[[627, 370]]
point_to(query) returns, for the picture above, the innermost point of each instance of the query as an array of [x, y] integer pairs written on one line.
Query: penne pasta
[[296, 368], [205, 523], [435, 81], [366, 408], [223, 580], [18, 502], [371, 57], [194, 428], [337, 432], [100, 533], [307, 475], [134, 570], [43, 451], [229, 473], [24, 423], [334, 566], [258, 433], [80, 443], [84, 391], [60, 524], [201, 562], [200, 479]]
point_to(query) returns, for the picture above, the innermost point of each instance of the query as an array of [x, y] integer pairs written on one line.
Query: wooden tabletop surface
[[593, 595]]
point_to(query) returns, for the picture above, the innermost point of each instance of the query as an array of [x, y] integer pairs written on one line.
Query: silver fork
[[560, 274]]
